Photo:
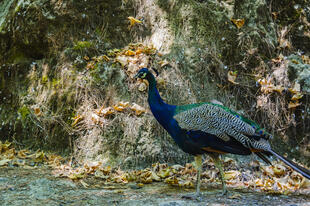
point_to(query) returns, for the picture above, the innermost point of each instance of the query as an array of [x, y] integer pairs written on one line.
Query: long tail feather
[[305, 172], [260, 155]]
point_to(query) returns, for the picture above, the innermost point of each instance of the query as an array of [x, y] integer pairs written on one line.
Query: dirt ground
[[37, 186]]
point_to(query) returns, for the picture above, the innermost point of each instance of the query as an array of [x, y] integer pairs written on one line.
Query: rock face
[[63, 62]]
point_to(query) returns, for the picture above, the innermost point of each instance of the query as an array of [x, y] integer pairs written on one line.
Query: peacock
[[209, 128]]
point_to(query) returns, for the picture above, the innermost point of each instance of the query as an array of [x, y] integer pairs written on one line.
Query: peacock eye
[[260, 132]]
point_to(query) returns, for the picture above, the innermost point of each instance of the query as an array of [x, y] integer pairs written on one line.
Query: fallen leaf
[[235, 196], [138, 109], [130, 53], [85, 185], [229, 175], [293, 104], [297, 96], [4, 162], [266, 86], [238, 22], [106, 58], [305, 59], [90, 65], [231, 76], [278, 89], [133, 21], [279, 59], [124, 104], [77, 119], [279, 169], [119, 108], [37, 111], [106, 111], [75, 176], [163, 63], [95, 118]]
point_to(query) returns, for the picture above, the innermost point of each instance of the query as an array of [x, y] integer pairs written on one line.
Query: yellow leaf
[[90, 65], [155, 177], [163, 63], [75, 176], [106, 58], [231, 76], [95, 118], [4, 146], [294, 61], [293, 104], [4, 162], [278, 89], [37, 111], [39, 156], [172, 181], [100, 174], [235, 196], [266, 86], [233, 174], [238, 22], [106, 111], [124, 104], [106, 170], [130, 53], [118, 108], [85, 185], [279, 169], [297, 96], [278, 59], [77, 119], [133, 21], [21, 154], [138, 109], [305, 59]]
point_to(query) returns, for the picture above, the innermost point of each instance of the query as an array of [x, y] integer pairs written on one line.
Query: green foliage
[[55, 83], [23, 112], [82, 45], [44, 79]]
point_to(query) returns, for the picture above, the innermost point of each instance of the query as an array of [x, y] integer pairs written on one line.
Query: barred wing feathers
[[222, 122]]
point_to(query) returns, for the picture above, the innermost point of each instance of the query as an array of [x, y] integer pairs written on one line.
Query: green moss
[[23, 112], [44, 79], [55, 83], [82, 45]]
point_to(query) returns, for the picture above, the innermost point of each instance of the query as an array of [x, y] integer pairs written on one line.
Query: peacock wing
[[214, 119]]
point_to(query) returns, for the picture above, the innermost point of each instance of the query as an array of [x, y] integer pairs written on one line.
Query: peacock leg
[[218, 164], [198, 161], [198, 165]]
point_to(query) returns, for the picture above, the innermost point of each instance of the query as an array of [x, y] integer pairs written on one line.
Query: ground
[[37, 186]]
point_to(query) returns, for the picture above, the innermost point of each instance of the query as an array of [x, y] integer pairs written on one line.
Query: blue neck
[[162, 112]]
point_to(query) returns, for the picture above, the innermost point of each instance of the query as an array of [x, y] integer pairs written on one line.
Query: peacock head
[[145, 73]]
